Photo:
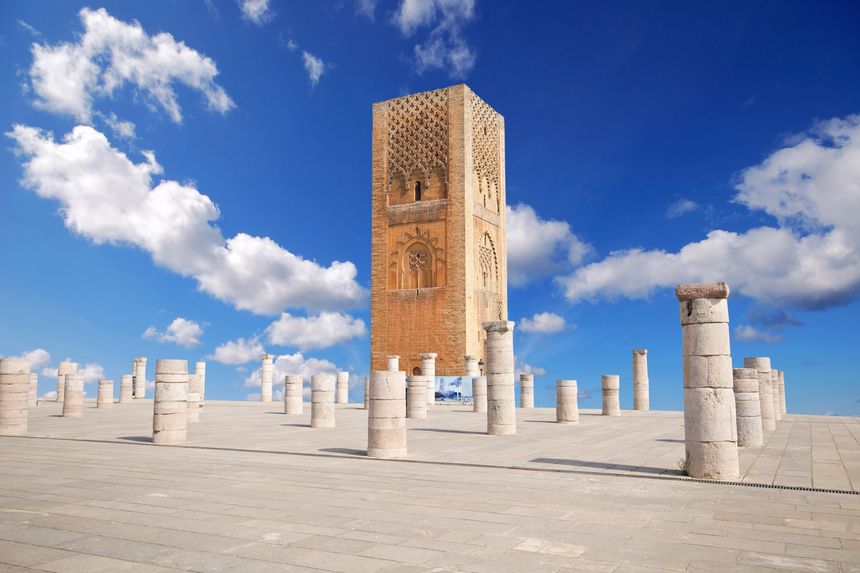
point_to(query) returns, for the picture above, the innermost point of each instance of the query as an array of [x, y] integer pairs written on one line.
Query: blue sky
[[192, 180]]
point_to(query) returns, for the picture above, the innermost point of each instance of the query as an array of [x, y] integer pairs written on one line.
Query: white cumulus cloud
[[543, 322], [38, 358], [107, 198], [294, 364], [521, 367], [239, 351], [681, 207], [749, 333], [318, 331], [110, 54], [256, 11], [314, 66], [444, 47], [180, 331]]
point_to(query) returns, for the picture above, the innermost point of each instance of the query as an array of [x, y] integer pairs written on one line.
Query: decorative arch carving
[[418, 261], [417, 138], [485, 152], [488, 264]]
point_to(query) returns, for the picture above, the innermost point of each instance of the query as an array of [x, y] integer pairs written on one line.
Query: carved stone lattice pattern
[[417, 134], [485, 141], [488, 263], [417, 260]]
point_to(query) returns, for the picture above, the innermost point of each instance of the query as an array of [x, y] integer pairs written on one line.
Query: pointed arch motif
[[488, 264], [418, 261]]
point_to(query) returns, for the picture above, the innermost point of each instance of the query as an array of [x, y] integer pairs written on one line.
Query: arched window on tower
[[417, 190]]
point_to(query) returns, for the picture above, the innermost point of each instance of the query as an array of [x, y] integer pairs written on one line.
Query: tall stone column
[[748, 408], [610, 385], [170, 408], [416, 396], [393, 363], [73, 401], [782, 393], [104, 397], [366, 392], [193, 398], [322, 401], [33, 395], [342, 395], [566, 402], [774, 391], [641, 399], [63, 369], [266, 379], [479, 393], [501, 401], [14, 389], [293, 398], [527, 391], [762, 365], [139, 379], [428, 369], [710, 424], [200, 370], [386, 419], [125, 389], [470, 366]]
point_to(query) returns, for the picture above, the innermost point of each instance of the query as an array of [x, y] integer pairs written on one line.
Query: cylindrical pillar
[[747, 407], [710, 424], [393, 363], [342, 388], [479, 393], [193, 398], [470, 365], [73, 400], [170, 408], [33, 390], [104, 397], [125, 389], [266, 379], [200, 370], [366, 392], [63, 369], [762, 365], [293, 399], [139, 379], [14, 389], [782, 393], [416, 396], [322, 401], [566, 402], [610, 385], [641, 399], [428, 369], [527, 391], [774, 392], [386, 419], [501, 401]]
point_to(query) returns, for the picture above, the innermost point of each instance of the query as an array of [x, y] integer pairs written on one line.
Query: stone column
[[104, 397], [200, 370], [748, 407], [33, 395], [762, 365], [611, 384], [139, 379], [566, 402], [471, 366], [393, 363], [416, 396], [63, 369], [428, 369], [170, 408], [125, 389], [193, 398], [527, 391], [641, 399], [293, 399], [479, 393], [366, 392], [73, 401], [322, 401], [14, 389], [774, 391], [266, 379], [342, 394], [386, 419], [710, 425], [782, 393], [501, 402]]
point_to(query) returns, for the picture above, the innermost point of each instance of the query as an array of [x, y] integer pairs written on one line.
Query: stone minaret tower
[[439, 253]]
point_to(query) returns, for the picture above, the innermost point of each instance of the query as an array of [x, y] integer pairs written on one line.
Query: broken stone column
[[200, 370], [710, 424], [73, 400], [342, 388], [641, 400], [747, 407], [386, 419], [501, 401], [170, 408], [366, 392], [266, 379], [479, 393], [322, 401], [33, 395], [527, 391], [470, 365], [139, 377], [774, 391], [104, 397], [566, 402], [428, 369], [125, 389], [14, 389], [293, 399], [63, 369], [393, 363], [416, 396], [610, 384], [193, 398], [762, 366], [782, 393]]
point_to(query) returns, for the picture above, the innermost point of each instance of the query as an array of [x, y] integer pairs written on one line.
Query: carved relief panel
[[416, 258], [485, 154]]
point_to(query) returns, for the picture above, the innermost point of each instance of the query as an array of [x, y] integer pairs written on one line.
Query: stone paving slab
[[255, 490]]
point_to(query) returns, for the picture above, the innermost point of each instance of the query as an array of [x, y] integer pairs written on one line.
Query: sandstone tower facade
[[439, 253]]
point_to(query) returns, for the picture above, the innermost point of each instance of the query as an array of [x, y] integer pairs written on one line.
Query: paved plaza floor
[[255, 490]]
